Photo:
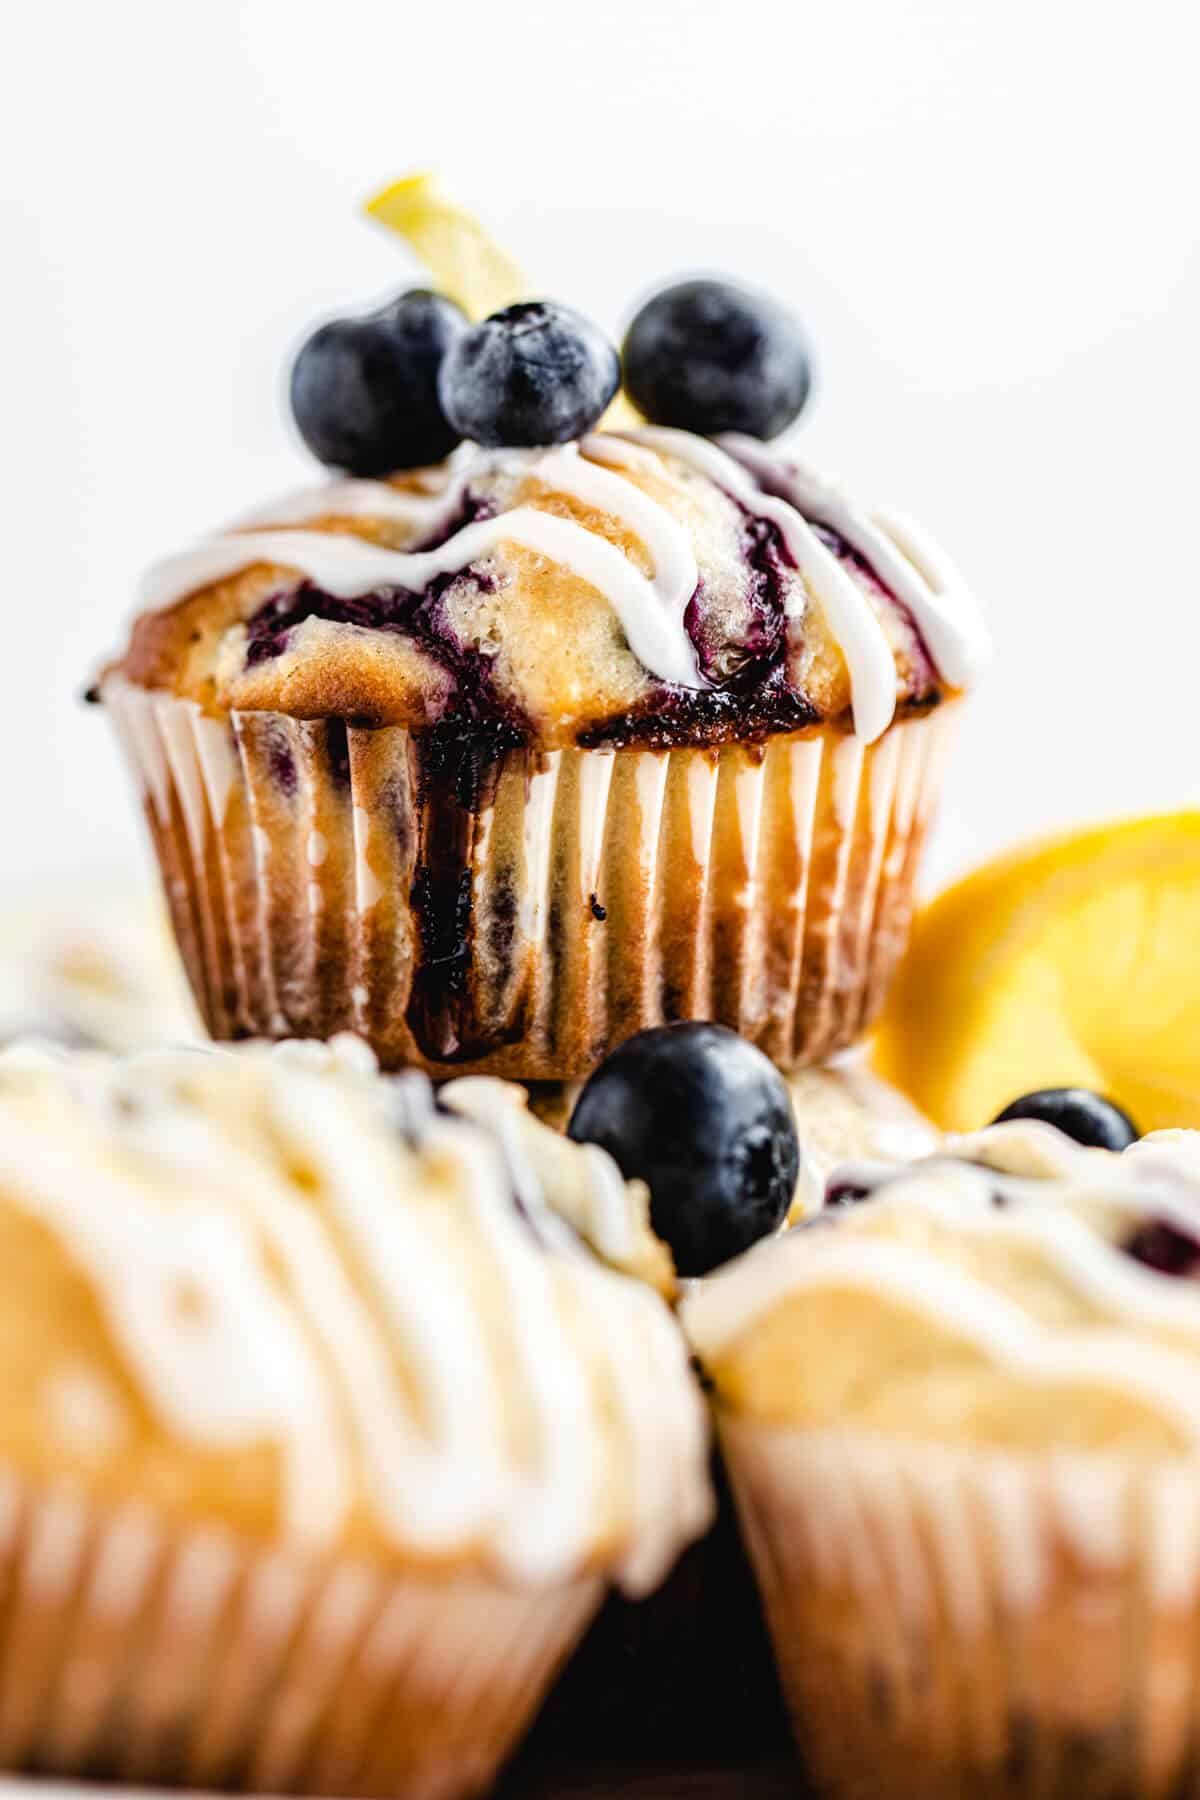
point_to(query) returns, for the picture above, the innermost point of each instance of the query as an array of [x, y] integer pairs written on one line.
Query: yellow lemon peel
[[459, 252], [1073, 962]]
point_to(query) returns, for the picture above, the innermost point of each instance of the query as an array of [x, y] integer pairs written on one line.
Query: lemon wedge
[[1072, 963], [460, 253]]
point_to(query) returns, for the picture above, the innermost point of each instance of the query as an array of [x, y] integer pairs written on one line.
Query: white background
[[987, 214]]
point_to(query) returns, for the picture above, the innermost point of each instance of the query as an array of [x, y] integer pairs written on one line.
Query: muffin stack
[[521, 747]]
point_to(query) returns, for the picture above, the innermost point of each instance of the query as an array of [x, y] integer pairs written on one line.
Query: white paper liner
[[768, 887], [949, 1623], [132, 1650]]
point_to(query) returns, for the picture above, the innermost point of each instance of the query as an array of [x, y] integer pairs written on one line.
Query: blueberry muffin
[[92, 964], [499, 756], [961, 1413], [323, 1432]]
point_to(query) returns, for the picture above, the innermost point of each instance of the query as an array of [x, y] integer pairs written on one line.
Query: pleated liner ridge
[[953, 1623], [135, 1651], [523, 912]]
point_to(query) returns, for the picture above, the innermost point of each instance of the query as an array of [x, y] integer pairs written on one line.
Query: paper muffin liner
[[134, 1650], [523, 912], [949, 1623]]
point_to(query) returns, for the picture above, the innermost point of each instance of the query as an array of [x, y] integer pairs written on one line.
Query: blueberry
[[364, 391], [708, 357], [536, 373], [705, 1120], [1164, 1248], [1088, 1118]]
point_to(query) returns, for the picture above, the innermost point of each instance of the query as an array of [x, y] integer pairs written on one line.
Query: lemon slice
[[1076, 962], [464, 259]]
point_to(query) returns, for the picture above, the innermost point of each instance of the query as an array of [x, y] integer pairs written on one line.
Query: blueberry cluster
[[399, 388]]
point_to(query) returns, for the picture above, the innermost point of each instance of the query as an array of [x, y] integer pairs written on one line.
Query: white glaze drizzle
[[170, 1175], [676, 575], [351, 499], [207, 1386], [601, 1207], [849, 614], [1046, 1214], [437, 494], [920, 576], [651, 611]]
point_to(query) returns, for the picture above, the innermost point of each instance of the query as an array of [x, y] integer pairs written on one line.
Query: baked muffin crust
[[995, 1295], [275, 1292], [648, 587]]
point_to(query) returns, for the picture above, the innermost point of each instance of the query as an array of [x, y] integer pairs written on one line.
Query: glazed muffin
[[500, 759], [961, 1412], [92, 965], [322, 1432]]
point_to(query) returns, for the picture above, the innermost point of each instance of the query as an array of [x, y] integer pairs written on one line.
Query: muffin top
[[274, 1291], [1017, 1291], [645, 586]]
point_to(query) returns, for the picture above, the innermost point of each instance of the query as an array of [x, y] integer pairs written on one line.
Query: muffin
[[92, 965], [322, 1432], [962, 1422], [499, 760]]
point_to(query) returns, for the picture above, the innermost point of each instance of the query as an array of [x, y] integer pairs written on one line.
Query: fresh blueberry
[[536, 373], [1164, 1248], [1088, 1118], [709, 357], [705, 1120], [364, 391]]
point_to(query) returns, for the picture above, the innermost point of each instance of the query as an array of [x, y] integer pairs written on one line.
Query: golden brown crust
[[182, 1233], [520, 638]]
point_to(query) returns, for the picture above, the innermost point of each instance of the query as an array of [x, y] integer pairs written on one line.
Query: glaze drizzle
[[651, 610], [353, 1319], [1024, 1187]]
